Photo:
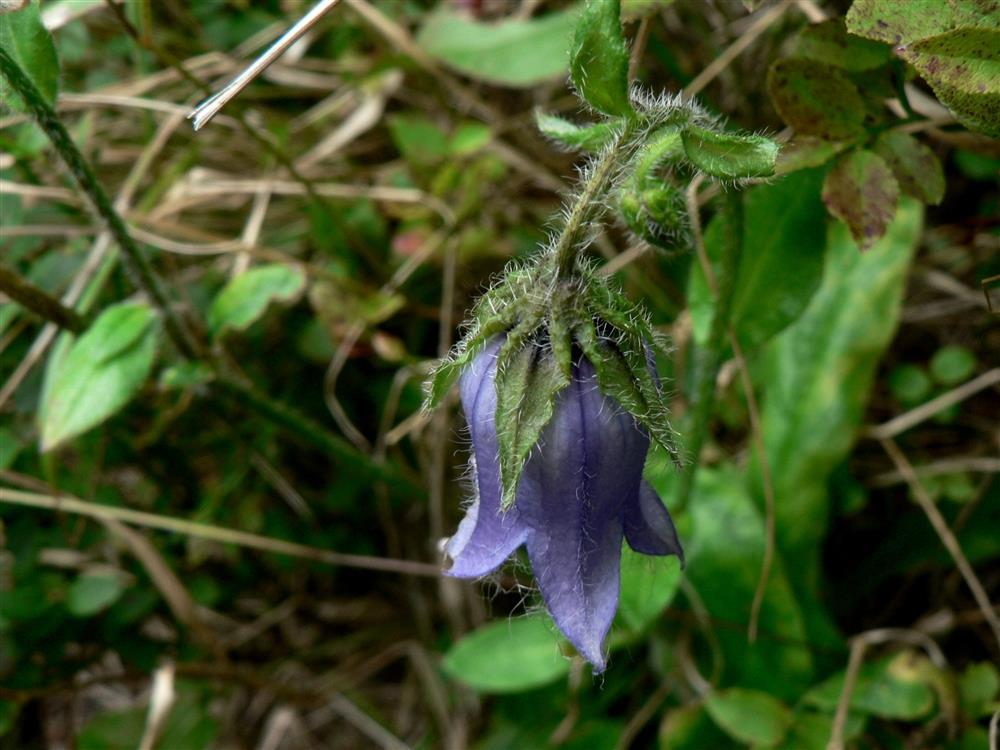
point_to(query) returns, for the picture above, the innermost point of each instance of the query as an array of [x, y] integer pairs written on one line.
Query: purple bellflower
[[580, 492]]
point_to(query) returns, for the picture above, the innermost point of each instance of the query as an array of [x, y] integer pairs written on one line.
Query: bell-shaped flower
[[580, 493]]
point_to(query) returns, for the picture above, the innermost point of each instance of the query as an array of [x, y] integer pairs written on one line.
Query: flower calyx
[[547, 323]]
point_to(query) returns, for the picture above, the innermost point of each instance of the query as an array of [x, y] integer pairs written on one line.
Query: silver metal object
[[206, 110]]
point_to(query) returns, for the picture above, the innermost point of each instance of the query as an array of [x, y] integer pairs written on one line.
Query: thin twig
[[69, 504], [912, 418], [944, 534], [733, 51], [757, 433]]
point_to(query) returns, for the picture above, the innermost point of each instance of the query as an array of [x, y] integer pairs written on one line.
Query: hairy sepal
[[528, 381]]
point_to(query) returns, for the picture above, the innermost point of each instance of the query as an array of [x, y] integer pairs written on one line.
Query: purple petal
[[648, 526], [572, 494], [486, 537]]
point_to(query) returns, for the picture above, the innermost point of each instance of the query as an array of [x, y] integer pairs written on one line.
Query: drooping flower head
[[580, 492], [561, 396]]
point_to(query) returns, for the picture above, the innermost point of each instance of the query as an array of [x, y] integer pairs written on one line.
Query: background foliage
[[239, 548]]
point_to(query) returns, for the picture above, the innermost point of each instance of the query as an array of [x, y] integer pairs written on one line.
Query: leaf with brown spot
[[963, 68], [816, 99], [916, 168], [908, 21], [862, 192]]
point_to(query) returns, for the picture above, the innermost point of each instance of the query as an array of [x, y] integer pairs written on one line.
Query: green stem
[[39, 301], [708, 359], [136, 262], [596, 182]]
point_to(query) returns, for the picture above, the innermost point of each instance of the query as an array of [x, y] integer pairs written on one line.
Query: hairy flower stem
[[709, 359], [136, 262], [566, 247]]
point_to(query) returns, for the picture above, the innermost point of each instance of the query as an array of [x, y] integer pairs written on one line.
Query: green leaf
[[979, 689], [963, 68], [724, 545], [8, 716], [952, 364], [816, 99], [916, 168], [818, 373], [25, 38], [508, 656], [188, 725], [727, 156], [515, 53], [99, 373], [585, 137], [781, 263], [811, 731], [90, 594], [244, 299], [689, 727], [598, 62], [527, 384], [896, 22], [862, 191], [828, 42], [890, 688], [418, 139], [749, 716], [910, 384], [648, 584]]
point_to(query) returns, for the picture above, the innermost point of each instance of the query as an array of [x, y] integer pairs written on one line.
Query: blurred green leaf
[[91, 593], [818, 373], [728, 156], [862, 192], [648, 584], [598, 61], [188, 726], [749, 715], [8, 715], [811, 731], [508, 656], [690, 728], [633, 10], [244, 299], [816, 99], [888, 687], [828, 42], [910, 384], [979, 689], [418, 139], [468, 138], [805, 152], [916, 168], [10, 447], [99, 373], [512, 53], [28, 42], [952, 364], [781, 263]]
